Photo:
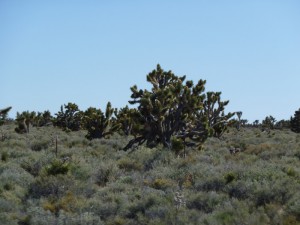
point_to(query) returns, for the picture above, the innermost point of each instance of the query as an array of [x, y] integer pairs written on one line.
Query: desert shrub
[[8, 186], [239, 190], [211, 184], [67, 203], [34, 165], [81, 171], [15, 175], [205, 202], [38, 216], [107, 209], [290, 172], [6, 205], [293, 206], [141, 206], [39, 145], [235, 212], [162, 183], [229, 177], [4, 156], [46, 186], [7, 219], [129, 164], [24, 220], [105, 172], [57, 167]]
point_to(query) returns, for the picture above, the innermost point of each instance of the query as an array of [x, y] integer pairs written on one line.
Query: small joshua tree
[[98, 124], [68, 118], [268, 123], [24, 120], [255, 123], [295, 122], [239, 115]]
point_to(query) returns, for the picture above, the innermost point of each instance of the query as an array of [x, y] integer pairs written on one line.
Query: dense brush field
[[96, 182]]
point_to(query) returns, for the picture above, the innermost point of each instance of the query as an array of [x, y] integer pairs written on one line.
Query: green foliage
[[128, 164], [130, 120], [57, 167], [24, 120], [177, 145], [295, 122], [42, 119], [98, 124], [4, 156], [229, 177], [3, 114], [161, 184], [268, 123], [68, 118], [283, 124], [176, 109], [213, 109]]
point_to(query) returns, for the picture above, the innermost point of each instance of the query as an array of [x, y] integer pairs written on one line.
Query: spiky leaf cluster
[[295, 122], [175, 108], [98, 124], [213, 110], [129, 120], [3, 115], [68, 118]]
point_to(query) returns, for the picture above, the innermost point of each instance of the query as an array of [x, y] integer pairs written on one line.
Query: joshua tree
[[283, 124], [295, 122], [244, 122], [239, 115], [256, 123], [213, 109], [3, 115], [98, 124], [129, 120], [68, 119], [176, 111], [24, 120], [42, 119], [268, 123]]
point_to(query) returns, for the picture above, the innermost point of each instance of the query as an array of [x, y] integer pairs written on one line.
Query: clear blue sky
[[91, 52]]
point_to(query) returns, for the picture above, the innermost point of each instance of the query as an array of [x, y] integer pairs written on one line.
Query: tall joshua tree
[[295, 122], [175, 109], [239, 115]]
